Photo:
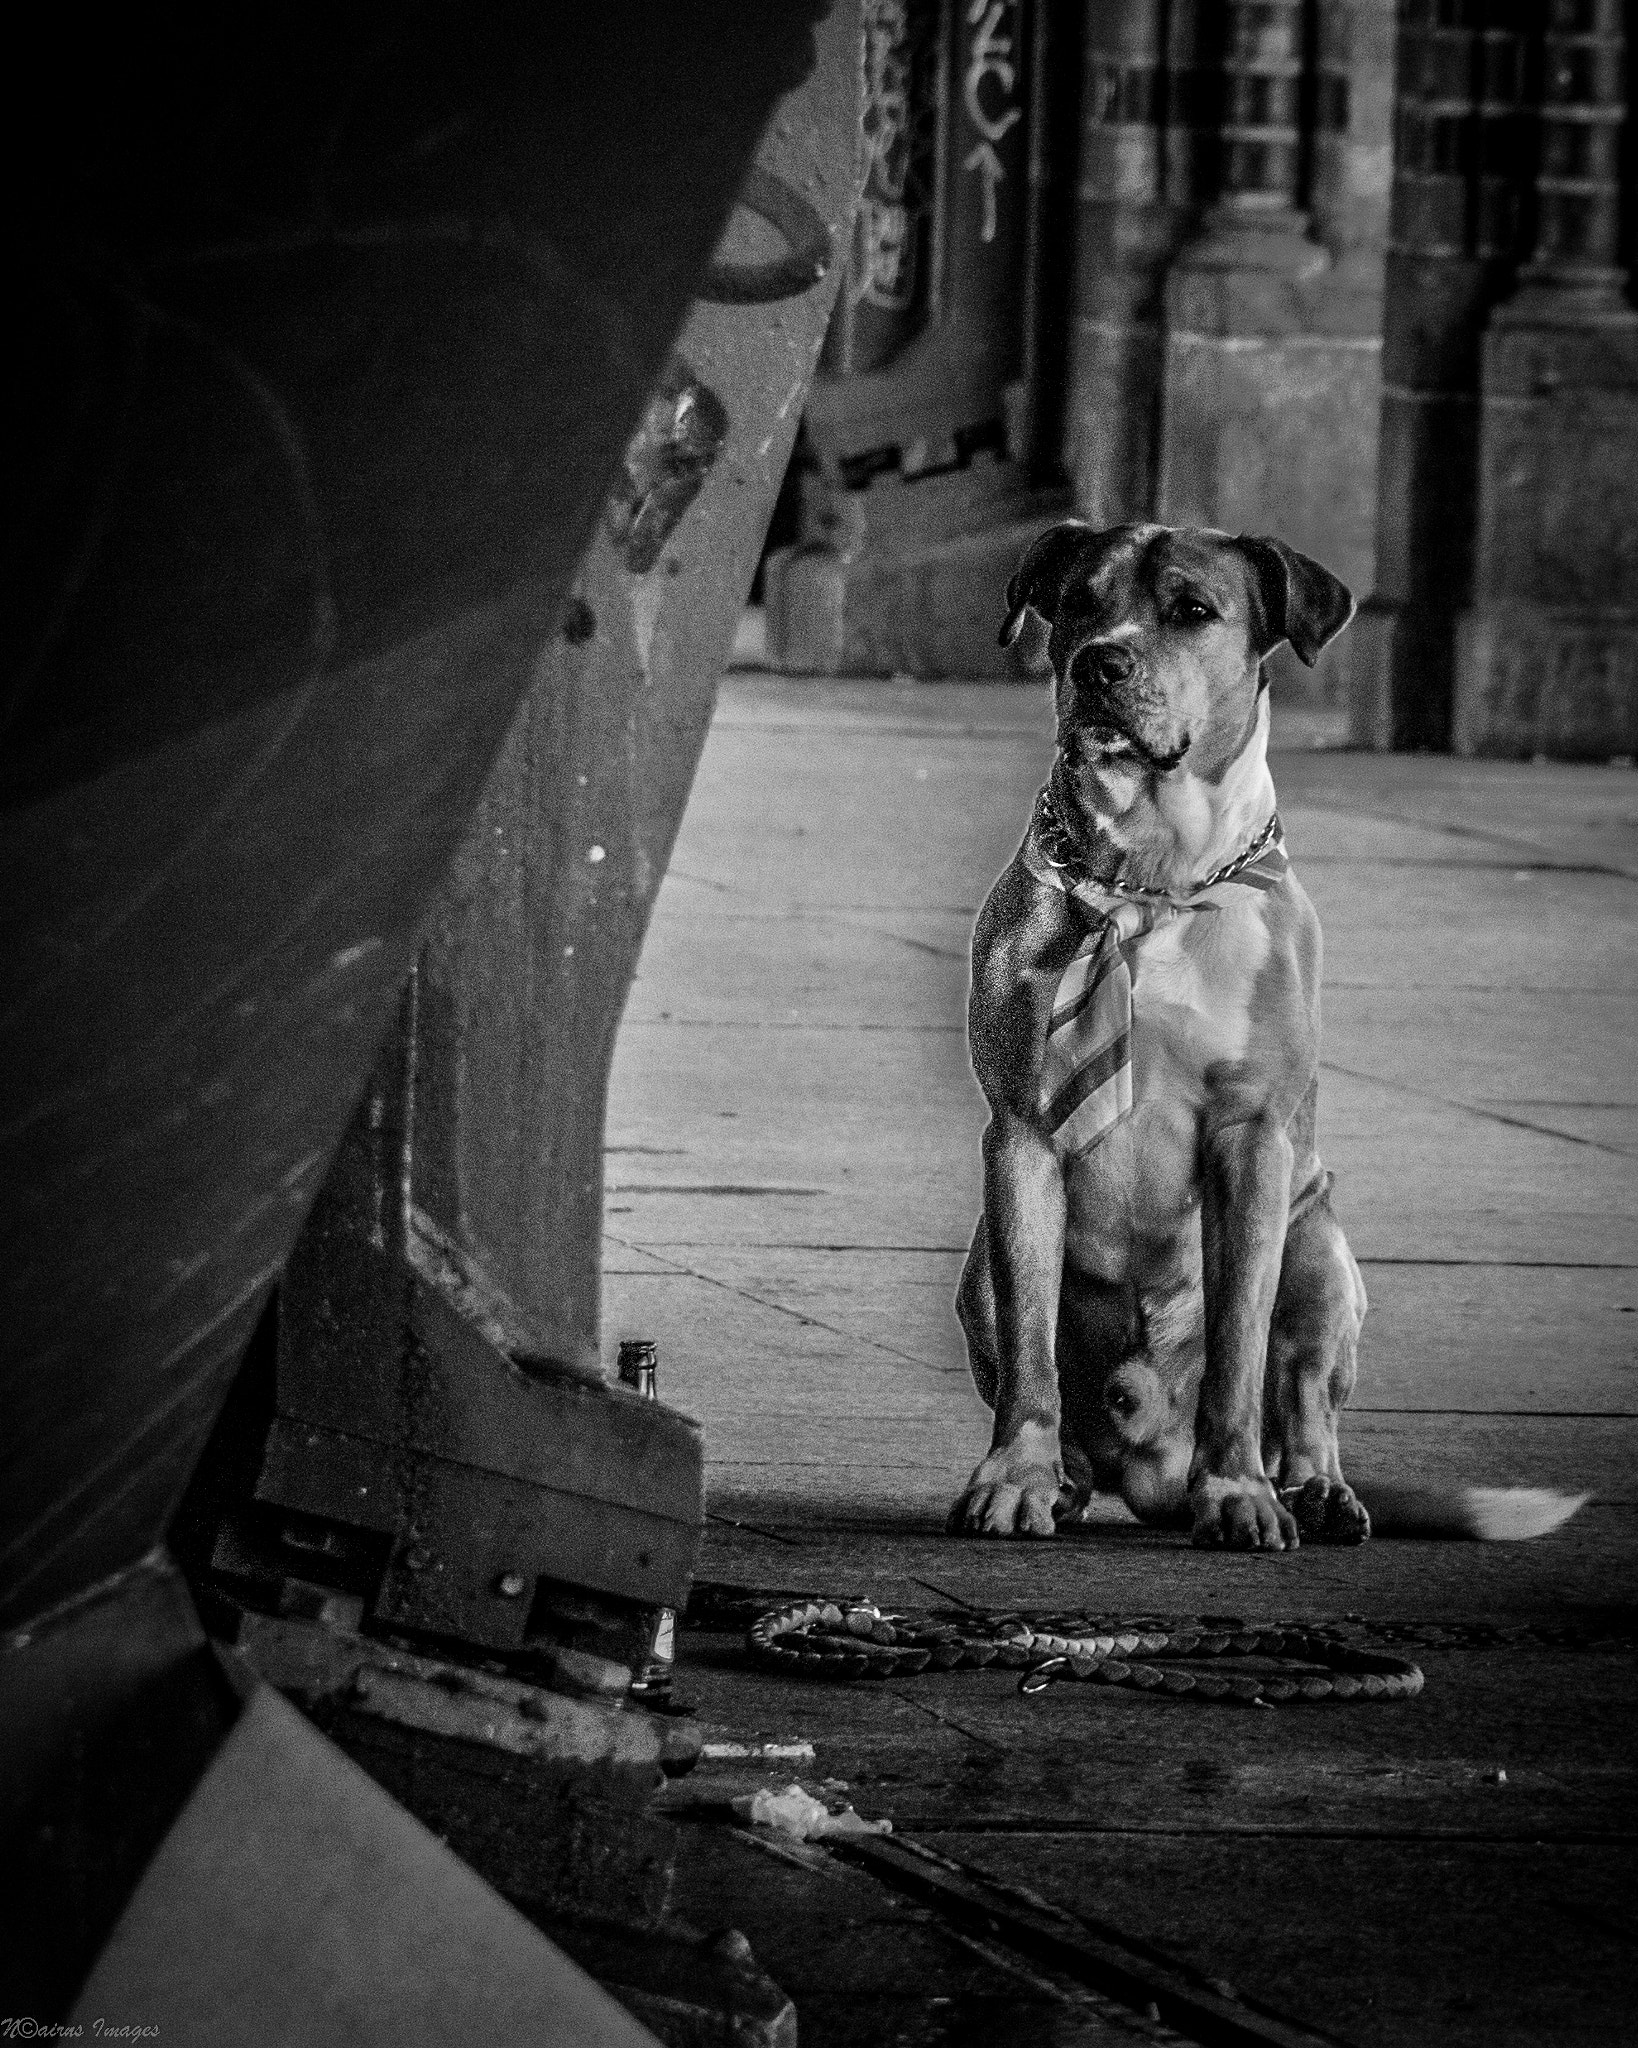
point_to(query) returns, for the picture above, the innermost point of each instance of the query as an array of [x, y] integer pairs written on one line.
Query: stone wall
[[1342, 270]]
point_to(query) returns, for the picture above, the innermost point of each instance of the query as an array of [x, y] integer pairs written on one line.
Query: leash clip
[[1042, 1676]]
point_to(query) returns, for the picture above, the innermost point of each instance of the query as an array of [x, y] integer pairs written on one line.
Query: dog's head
[[1158, 636]]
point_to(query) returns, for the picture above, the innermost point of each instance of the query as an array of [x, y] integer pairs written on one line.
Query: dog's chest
[[1194, 994], [1194, 990]]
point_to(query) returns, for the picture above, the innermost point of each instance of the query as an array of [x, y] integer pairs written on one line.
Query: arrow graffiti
[[983, 159], [989, 59]]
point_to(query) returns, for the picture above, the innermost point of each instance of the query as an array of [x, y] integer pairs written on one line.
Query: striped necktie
[[1086, 1070]]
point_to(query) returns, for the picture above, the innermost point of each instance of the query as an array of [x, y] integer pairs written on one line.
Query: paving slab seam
[[1466, 867], [1504, 1265], [946, 1720], [1518, 1123], [1401, 985], [1049, 1831], [860, 728], [755, 1529], [1552, 1102], [790, 1244], [1505, 1414], [1617, 870], [777, 1024], [652, 1245], [779, 1308], [706, 1187]]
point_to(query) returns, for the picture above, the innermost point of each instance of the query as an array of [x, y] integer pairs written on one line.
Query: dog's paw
[[1329, 1511], [1240, 1514], [1004, 1499]]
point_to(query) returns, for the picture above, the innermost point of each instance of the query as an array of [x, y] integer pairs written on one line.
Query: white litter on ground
[[797, 1813], [773, 1752]]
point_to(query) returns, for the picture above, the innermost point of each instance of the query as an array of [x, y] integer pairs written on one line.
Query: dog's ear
[[1039, 583], [1299, 600]]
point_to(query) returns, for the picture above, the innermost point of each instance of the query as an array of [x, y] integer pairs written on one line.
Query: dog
[[1159, 1301]]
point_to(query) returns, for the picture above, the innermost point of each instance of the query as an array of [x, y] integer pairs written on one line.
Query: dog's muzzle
[[1101, 674]]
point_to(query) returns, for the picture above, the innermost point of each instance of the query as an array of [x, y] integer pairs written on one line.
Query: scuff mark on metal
[[646, 600], [668, 458]]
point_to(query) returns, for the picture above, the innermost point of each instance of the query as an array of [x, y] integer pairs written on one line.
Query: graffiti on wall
[[988, 86], [884, 270]]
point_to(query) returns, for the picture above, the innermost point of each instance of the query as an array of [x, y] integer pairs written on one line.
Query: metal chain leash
[[1059, 850], [855, 1639]]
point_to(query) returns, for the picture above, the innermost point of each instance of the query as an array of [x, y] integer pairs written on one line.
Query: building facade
[[1343, 270]]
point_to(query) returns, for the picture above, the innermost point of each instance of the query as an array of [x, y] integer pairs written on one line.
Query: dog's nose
[[1135, 1402], [1107, 661]]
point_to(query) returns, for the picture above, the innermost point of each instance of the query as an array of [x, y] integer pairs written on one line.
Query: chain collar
[[1059, 850]]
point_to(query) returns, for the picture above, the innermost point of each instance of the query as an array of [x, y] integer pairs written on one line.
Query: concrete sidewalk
[[793, 1168], [793, 1176]]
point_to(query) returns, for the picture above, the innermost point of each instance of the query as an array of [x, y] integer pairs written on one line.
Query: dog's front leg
[[1246, 1200], [1015, 1488]]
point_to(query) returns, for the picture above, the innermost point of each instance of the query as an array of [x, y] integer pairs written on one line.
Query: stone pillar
[[1271, 373], [924, 488], [1461, 138], [1131, 221], [1034, 402], [1352, 161], [1547, 658]]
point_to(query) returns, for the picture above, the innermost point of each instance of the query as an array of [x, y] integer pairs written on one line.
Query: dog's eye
[[1190, 611]]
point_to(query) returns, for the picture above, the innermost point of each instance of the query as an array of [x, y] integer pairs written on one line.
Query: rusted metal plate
[[381, 1356], [464, 1532]]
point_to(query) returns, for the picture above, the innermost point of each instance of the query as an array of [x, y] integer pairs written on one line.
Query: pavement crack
[[778, 1307], [794, 1244], [1470, 867], [703, 1187], [947, 1720], [756, 1529], [781, 1024], [1028, 1826], [861, 924], [944, 1593], [1514, 1414], [1523, 1265], [1495, 1116], [700, 881], [1528, 854]]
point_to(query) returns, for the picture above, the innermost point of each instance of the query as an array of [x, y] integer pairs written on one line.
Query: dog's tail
[[1487, 1514]]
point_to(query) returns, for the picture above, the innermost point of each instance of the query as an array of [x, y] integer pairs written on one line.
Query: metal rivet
[[510, 1585]]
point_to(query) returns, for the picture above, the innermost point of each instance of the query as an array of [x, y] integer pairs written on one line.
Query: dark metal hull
[[333, 369]]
